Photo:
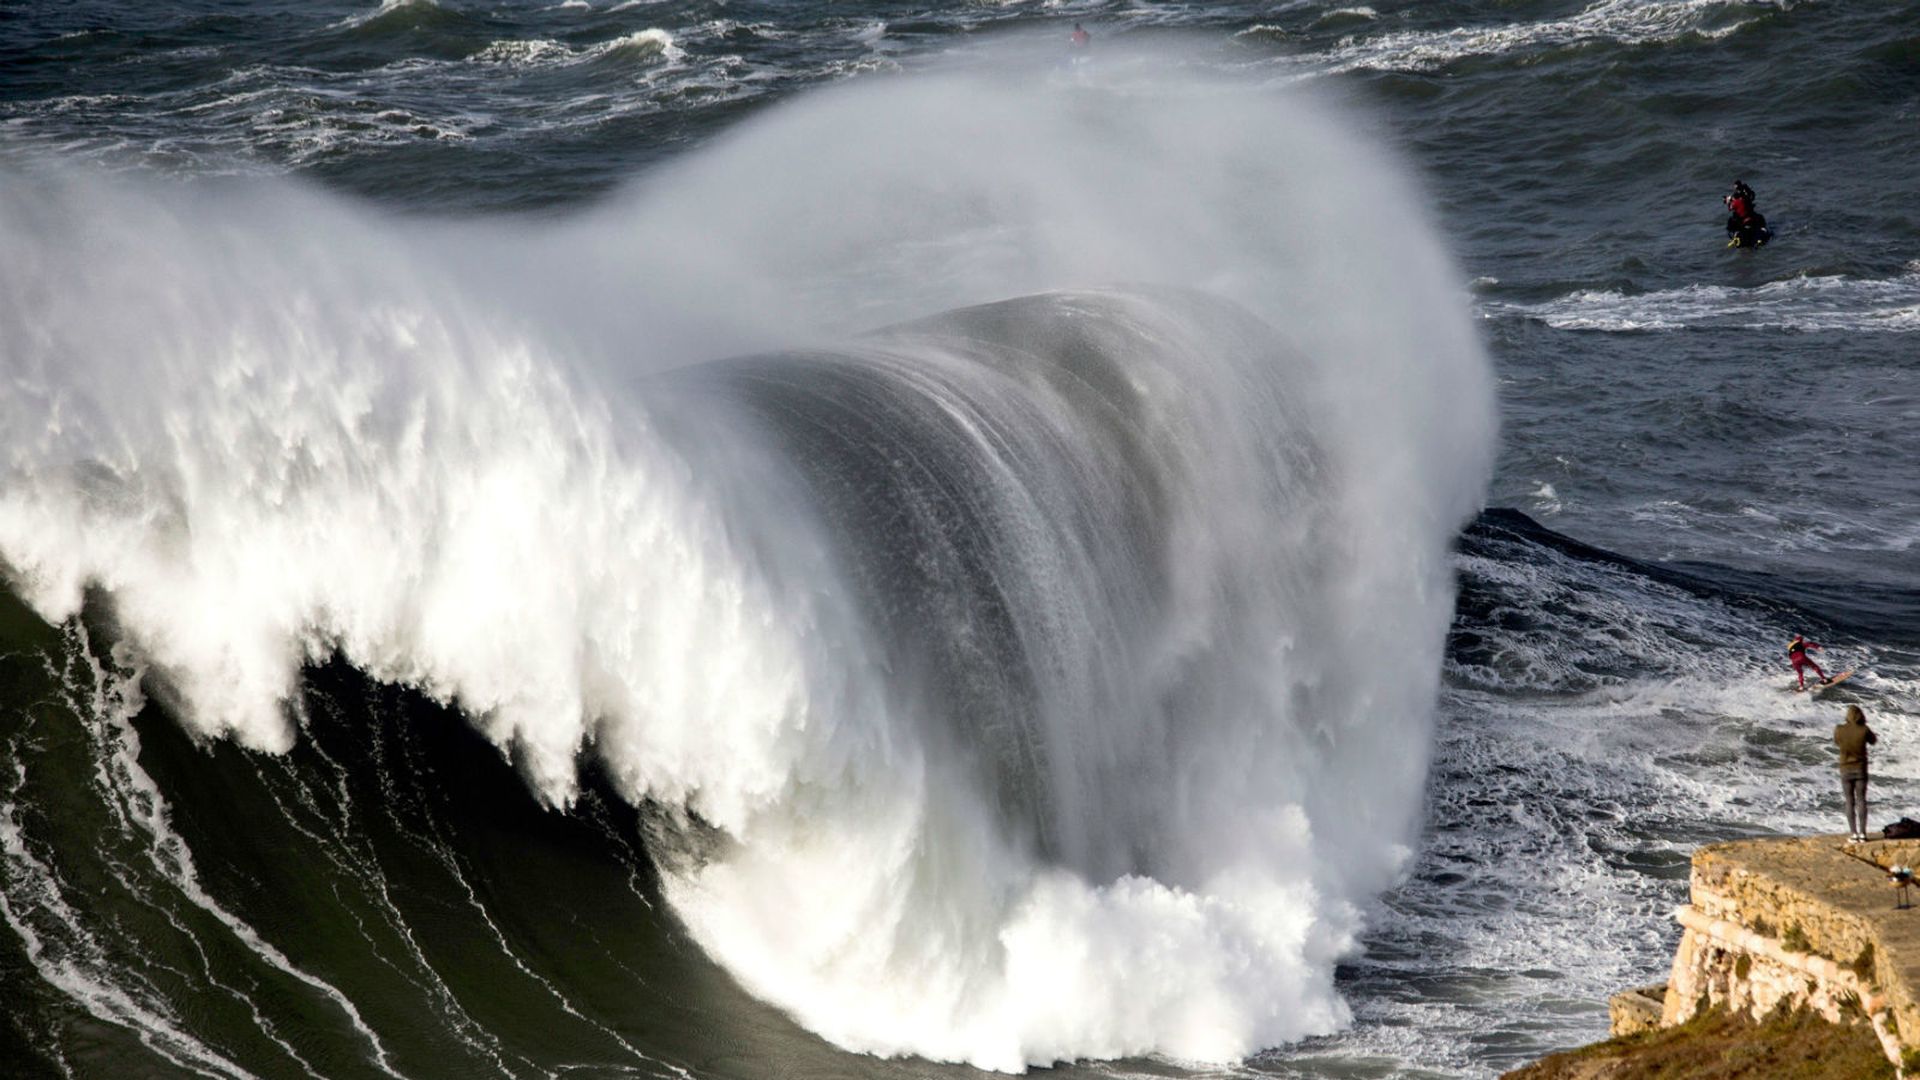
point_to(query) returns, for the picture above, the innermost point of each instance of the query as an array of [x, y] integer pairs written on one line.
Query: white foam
[[1812, 303], [1546, 499], [644, 42], [521, 51], [1349, 14], [272, 426], [1630, 22], [542, 52], [387, 7]]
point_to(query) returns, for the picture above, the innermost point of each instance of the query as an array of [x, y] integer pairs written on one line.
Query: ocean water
[[616, 539]]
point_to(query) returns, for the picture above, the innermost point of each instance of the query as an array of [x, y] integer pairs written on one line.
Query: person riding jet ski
[[1746, 226]]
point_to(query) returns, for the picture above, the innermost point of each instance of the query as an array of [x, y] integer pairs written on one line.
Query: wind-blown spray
[[1039, 680]]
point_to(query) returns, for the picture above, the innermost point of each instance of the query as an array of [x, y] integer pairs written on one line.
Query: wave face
[[1048, 678]]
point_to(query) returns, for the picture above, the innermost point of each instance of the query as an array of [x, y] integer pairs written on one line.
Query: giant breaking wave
[[1047, 678]]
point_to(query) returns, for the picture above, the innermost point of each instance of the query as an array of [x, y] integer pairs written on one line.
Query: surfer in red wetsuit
[[1079, 38], [1797, 651]]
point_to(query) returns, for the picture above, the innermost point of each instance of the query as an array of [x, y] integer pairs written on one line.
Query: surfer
[[1797, 651], [1853, 738], [1746, 226], [1079, 38]]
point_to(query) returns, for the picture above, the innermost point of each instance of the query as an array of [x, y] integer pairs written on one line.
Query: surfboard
[[1829, 684]]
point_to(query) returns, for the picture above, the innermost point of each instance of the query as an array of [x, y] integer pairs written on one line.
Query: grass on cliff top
[[1718, 1046]]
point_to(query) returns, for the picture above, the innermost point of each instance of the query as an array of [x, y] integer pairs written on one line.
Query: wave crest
[[1002, 669]]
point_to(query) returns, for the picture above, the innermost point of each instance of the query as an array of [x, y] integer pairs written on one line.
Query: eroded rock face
[[1805, 922], [1631, 1012], [1723, 1046]]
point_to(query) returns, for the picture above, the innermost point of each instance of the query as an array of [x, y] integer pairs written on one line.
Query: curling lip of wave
[[1143, 844], [1055, 453], [1245, 936]]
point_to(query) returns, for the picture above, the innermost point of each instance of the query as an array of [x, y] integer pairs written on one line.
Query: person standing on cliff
[[1853, 738]]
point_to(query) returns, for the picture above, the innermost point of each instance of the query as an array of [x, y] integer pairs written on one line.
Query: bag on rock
[[1904, 829]]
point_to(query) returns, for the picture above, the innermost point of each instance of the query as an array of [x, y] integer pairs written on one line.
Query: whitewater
[[993, 524]]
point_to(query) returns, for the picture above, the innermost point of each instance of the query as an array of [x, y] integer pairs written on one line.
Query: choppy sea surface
[[621, 538]]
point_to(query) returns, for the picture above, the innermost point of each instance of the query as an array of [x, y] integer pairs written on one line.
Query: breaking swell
[[1049, 678]]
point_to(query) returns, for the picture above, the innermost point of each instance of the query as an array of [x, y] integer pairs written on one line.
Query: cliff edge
[[1799, 949]]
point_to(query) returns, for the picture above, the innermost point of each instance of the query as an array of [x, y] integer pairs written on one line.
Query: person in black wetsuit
[[1746, 226]]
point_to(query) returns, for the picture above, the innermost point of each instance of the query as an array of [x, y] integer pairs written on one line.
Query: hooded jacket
[[1853, 740]]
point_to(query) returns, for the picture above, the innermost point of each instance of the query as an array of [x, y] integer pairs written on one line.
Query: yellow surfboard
[[1819, 686]]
